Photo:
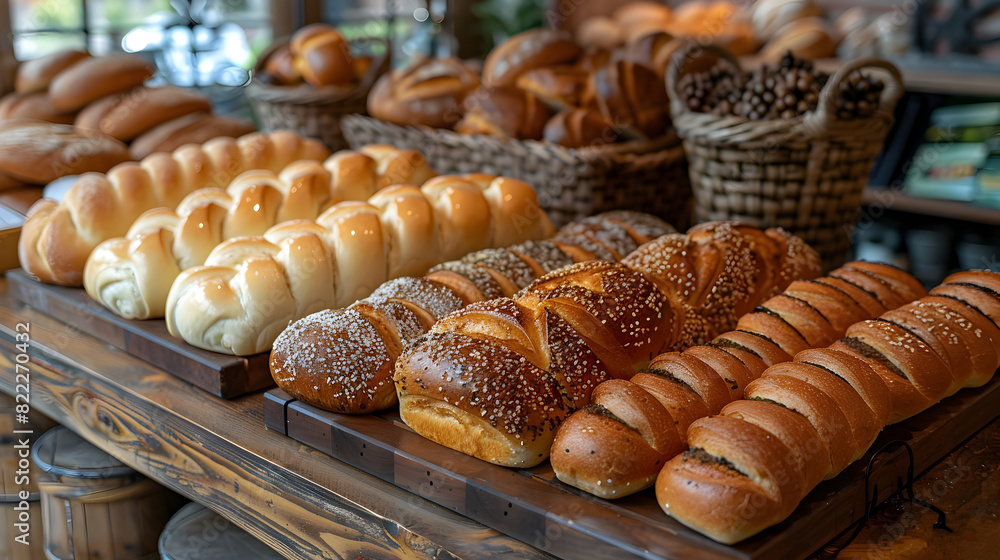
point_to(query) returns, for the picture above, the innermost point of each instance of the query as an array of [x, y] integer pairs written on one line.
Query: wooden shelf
[[951, 82], [897, 201], [219, 453]]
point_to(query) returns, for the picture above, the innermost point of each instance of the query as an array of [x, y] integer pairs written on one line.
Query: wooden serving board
[[219, 374], [534, 507]]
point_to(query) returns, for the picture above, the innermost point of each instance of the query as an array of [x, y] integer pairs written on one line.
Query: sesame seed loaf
[[586, 324], [343, 359]]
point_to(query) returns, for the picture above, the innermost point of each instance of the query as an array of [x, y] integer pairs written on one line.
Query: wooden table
[[218, 453], [308, 505]]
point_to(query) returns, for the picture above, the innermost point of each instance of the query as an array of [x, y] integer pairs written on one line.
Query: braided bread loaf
[[131, 275], [496, 379], [343, 359], [250, 288], [749, 467], [58, 237], [617, 445]]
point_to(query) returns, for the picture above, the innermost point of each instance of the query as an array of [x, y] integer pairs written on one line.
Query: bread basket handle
[[825, 113], [692, 51]]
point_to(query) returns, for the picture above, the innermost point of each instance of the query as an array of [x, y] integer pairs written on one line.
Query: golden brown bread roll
[[32, 106], [298, 361], [429, 93], [525, 51], [93, 78], [506, 112], [587, 323], [633, 98], [579, 128], [38, 152], [704, 379], [710, 487], [34, 76], [321, 55], [126, 116], [196, 128], [58, 237]]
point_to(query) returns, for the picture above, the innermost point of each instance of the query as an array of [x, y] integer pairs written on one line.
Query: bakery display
[[132, 275], [250, 288], [359, 377], [58, 237], [806, 420], [107, 95], [528, 87], [647, 417], [495, 380]]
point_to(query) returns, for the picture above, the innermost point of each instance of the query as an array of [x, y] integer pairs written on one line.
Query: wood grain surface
[[519, 502], [218, 453], [219, 374]]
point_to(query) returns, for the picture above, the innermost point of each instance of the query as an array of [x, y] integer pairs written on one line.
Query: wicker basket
[[571, 183], [312, 111], [804, 174]]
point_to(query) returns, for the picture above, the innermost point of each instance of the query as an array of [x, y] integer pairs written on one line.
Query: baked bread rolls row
[[617, 445], [749, 467], [250, 288], [131, 275], [58, 237], [343, 359], [496, 379]]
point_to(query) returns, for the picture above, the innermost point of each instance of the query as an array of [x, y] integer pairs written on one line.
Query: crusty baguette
[[58, 237], [701, 380], [359, 377], [250, 288], [495, 380], [132, 275], [749, 468]]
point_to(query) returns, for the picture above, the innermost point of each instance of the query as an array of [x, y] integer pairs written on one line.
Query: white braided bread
[[131, 275], [58, 237], [251, 287]]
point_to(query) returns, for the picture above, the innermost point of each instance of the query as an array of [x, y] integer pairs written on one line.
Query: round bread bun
[[322, 56]]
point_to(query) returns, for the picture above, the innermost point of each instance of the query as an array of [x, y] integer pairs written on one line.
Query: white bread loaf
[[247, 291], [749, 468], [58, 237], [131, 275]]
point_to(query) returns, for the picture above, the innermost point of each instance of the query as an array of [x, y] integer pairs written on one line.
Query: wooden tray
[[221, 375], [533, 506]]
